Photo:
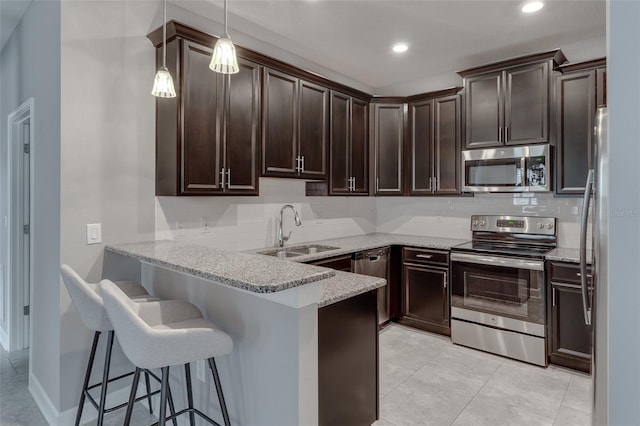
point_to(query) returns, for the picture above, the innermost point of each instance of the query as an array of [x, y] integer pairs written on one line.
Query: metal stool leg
[[163, 396], [216, 380], [146, 379], [132, 396], [172, 408], [187, 375], [87, 376], [105, 377]]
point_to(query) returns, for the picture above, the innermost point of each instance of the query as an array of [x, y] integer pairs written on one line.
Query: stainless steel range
[[498, 286]]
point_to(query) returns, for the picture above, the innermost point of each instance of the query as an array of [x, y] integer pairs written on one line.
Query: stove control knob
[[550, 226], [541, 225], [482, 223], [475, 223]]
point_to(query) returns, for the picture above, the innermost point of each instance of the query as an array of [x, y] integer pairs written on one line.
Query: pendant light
[[163, 83], [224, 58]]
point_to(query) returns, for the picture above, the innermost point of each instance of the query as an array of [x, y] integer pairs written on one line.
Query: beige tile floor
[[427, 380], [424, 380]]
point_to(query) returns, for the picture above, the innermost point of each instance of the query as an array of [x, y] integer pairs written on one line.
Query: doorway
[[19, 215]]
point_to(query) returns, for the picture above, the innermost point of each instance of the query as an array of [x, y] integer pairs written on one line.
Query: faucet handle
[[286, 238]]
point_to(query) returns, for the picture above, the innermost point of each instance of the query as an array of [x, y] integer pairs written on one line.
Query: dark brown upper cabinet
[[388, 129], [295, 127], [507, 103], [434, 144], [208, 136], [579, 91], [348, 145]]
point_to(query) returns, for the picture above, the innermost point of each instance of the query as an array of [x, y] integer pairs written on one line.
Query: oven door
[[502, 292]]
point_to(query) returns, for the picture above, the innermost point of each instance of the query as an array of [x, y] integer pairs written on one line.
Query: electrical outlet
[[179, 228], [200, 368], [204, 224]]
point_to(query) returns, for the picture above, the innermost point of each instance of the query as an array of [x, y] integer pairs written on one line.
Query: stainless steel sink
[[297, 250]]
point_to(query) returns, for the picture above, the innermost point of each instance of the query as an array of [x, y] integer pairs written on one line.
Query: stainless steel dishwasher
[[375, 263]]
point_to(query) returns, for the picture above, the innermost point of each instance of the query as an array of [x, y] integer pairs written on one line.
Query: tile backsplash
[[242, 223]]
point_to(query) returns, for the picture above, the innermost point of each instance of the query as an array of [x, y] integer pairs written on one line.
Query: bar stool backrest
[[86, 299]]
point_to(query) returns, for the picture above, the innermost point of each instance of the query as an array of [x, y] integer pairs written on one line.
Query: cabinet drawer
[[425, 256], [340, 263], [567, 272]]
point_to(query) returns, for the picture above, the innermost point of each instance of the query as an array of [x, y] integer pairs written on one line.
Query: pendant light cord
[[164, 34], [225, 18]]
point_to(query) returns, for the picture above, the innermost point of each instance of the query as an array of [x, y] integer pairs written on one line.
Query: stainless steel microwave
[[507, 169]]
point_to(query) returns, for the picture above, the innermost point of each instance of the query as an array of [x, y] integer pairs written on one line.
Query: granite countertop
[[259, 274], [348, 245], [562, 254], [345, 285]]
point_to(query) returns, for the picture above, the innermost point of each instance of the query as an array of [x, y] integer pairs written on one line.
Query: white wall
[[30, 67], [449, 216], [107, 154], [623, 92]]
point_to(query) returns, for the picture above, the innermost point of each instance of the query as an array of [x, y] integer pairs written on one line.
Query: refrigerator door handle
[[586, 305]]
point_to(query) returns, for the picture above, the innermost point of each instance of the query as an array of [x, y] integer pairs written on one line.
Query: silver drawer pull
[[424, 256], [588, 275]]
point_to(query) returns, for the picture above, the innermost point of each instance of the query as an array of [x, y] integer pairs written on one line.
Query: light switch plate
[[94, 233]]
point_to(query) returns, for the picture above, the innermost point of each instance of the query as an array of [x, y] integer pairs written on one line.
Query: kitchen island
[[270, 309]]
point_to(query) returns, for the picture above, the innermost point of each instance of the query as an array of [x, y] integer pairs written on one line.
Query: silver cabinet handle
[[553, 296], [228, 178], [353, 188], [588, 275], [500, 134], [302, 161], [446, 278], [298, 164], [424, 256], [506, 134], [223, 175], [435, 184]]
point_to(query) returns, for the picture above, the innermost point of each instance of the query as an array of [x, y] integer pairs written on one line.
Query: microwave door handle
[[583, 248], [523, 174]]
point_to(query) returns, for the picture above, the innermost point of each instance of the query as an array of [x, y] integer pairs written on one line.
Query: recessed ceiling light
[[400, 47], [532, 6]]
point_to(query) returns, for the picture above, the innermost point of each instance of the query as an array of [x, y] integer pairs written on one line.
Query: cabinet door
[[484, 109], [242, 128], [388, 123], [425, 296], [360, 146], [527, 104], [575, 111], [421, 147], [280, 125], [570, 340], [339, 144], [314, 113], [201, 139], [446, 146]]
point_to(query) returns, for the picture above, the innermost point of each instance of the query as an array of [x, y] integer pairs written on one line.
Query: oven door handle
[[507, 262]]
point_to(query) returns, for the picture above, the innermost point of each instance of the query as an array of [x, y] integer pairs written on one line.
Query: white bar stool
[[90, 307], [162, 334]]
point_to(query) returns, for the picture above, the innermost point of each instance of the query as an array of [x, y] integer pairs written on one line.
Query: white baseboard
[[48, 410], [55, 418]]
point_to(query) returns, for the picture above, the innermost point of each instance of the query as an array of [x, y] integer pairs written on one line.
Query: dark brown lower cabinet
[[348, 361], [425, 290], [340, 263], [569, 338]]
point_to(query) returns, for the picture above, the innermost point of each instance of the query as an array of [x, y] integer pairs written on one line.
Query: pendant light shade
[[163, 83], [224, 58]]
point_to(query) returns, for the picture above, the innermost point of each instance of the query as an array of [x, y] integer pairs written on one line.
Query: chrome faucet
[[281, 237]]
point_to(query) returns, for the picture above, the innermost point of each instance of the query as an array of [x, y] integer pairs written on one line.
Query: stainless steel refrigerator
[[595, 303]]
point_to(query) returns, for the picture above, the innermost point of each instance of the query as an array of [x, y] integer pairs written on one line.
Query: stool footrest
[[191, 410]]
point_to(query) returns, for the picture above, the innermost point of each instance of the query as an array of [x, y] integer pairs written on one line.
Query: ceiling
[[354, 37], [11, 12]]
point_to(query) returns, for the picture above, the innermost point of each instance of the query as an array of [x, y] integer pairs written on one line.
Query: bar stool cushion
[[88, 302], [162, 333]]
